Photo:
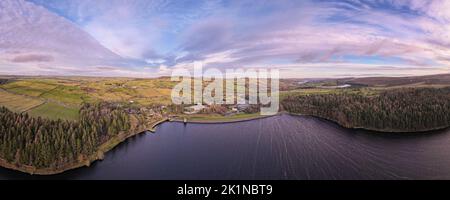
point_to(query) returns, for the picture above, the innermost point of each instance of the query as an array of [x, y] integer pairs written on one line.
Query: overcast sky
[[145, 38]]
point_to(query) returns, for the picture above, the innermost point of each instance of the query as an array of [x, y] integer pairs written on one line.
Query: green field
[[55, 111], [32, 87], [70, 95]]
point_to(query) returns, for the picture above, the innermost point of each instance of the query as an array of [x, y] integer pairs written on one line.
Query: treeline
[[45, 143], [3, 81], [406, 109]]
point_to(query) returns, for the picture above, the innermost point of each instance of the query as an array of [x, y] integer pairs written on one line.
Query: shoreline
[[97, 156], [86, 162], [120, 138], [222, 120], [108, 146]]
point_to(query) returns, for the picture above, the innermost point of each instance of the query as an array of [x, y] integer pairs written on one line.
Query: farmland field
[[55, 111], [71, 95], [61, 97], [32, 87], [18, 103]]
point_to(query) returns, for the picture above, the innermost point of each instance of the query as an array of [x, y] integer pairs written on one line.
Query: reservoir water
[[279, 147]]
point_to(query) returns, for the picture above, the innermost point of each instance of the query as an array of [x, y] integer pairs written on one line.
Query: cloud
[[129, 28], [207, 36], [27, 28], [32, 58], [46, 42], [325, 32], [164, 34]]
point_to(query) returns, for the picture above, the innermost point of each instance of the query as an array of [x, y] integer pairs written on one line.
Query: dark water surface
[[280, 147]]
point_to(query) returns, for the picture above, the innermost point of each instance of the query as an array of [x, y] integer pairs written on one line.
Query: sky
[[149, 38]]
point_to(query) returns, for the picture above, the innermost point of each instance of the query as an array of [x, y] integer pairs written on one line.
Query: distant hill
[[439, 79]]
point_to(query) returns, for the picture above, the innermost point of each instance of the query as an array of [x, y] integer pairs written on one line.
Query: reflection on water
[[280, 147]]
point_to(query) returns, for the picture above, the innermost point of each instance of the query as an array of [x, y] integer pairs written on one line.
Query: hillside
[[62, 97], [440, 79]]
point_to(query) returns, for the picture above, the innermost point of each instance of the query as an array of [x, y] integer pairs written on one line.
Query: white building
[[195, 108]]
